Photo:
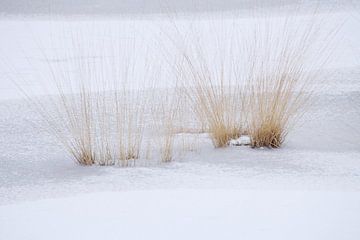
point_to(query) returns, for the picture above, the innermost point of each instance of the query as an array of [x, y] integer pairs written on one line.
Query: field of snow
[[193, 214], [309, 189]]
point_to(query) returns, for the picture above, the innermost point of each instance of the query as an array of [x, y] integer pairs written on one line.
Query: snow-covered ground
[[188, 214], [309, 189]]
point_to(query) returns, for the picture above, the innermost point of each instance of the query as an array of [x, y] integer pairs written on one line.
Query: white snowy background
[[309, 189]]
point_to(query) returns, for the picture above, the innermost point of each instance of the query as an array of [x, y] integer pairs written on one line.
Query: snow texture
[[309, 189]]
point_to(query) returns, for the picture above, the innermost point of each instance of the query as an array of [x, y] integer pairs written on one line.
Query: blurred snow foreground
[[191, 214], [309, 189]]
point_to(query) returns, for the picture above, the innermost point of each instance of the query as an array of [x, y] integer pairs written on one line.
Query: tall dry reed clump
[[208, 72], [285, 61], [275, 101], [251, 75], [98, 109]]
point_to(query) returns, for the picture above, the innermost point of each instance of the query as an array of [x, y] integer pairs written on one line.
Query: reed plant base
[[269, 136], [221, 135]]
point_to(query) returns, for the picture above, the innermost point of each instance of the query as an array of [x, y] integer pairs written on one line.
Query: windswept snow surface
[[309, 189], [187, 214]]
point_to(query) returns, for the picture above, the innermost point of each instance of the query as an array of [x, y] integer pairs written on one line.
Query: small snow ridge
[[241, 141]]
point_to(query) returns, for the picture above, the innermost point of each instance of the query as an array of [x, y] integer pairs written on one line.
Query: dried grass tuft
[[209, 81], [97, 112]]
